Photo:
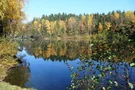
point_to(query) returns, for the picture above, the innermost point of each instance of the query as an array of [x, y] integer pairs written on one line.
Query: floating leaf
[[79, 68], [132, 64], [116, 84], [130, 85], [103, 88], [73, 86], [109, 88], [110, 82], [100, 75]]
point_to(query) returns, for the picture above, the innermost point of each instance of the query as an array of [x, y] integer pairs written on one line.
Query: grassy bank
[[7, 56], [8, 60], [7, 86]]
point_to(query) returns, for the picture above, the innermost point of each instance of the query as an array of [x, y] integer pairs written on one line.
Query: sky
[[36, 8]]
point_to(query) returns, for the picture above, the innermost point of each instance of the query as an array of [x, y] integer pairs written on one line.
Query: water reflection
[[84, 50], [20, 74], [80, 65]]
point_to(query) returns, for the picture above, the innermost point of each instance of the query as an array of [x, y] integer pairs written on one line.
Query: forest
[[68, 25]]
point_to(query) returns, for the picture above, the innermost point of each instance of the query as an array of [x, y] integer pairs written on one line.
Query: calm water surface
[[49, 65]]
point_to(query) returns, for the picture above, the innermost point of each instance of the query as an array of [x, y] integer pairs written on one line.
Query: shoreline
[[8, 60]]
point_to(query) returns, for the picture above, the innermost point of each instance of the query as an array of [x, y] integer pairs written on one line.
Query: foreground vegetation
[[11, 15], [8, 60], [7, 86]]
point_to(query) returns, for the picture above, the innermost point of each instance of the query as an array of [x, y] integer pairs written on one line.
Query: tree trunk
[[1, 28]]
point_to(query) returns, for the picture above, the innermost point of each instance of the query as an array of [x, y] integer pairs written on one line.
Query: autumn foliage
[[11, 15], [61, 25]]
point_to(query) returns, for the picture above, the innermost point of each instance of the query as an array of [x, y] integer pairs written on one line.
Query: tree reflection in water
[[21, 74], [103, 64]]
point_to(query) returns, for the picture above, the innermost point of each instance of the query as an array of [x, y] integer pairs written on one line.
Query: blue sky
[[36, 8]]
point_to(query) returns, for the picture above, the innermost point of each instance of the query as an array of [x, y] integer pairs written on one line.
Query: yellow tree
[[100, 27], [129, 16], [83, 18], [90, 23], [52, 26], [11, 13], [3, 8], [39, 27], [62, 27], [107, 25], [44, 27], [115, 17], [36, 24], [43, 24], [72, 24], [15, 9], [48, 26], [82, 24]]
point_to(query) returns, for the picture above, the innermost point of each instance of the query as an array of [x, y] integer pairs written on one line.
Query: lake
[[75, 65]]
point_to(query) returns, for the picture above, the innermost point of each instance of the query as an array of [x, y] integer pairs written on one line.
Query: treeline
[[61, 25]]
